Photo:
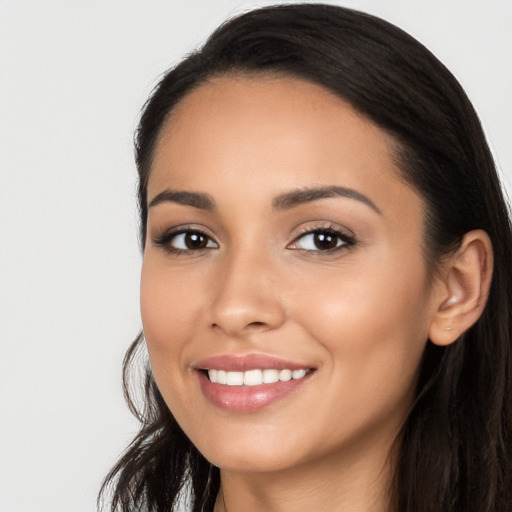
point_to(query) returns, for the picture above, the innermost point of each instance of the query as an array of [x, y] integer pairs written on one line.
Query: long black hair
[[454, 452]]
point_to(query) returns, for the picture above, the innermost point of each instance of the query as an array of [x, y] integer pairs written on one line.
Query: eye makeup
[[184, 239], [324, 239]]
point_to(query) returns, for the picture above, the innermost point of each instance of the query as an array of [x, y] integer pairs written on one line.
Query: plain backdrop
[[73, 76]]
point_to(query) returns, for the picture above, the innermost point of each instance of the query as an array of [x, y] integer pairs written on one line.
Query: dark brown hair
[[454, 453]]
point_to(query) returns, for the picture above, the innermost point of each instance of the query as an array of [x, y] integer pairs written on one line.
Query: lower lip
[[247, 398]]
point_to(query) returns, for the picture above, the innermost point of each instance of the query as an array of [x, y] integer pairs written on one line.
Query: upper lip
[[241, 363]]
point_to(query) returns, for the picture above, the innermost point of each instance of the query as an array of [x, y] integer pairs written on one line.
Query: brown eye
[[323, 240], [185, 241], [195, 240]]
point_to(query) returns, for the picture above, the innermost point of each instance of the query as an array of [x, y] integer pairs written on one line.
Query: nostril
[[236, 317], [239, 329]]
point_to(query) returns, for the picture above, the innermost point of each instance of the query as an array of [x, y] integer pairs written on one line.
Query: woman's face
[[281, 238]]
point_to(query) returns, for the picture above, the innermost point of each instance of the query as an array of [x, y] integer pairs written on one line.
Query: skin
[[360, 315]]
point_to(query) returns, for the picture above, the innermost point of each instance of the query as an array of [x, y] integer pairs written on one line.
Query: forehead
[[272, 133], [276, 112]]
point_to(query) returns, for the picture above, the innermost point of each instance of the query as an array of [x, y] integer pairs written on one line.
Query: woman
[[326, 288]]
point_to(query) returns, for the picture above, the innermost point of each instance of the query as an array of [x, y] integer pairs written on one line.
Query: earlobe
[[464, 288]]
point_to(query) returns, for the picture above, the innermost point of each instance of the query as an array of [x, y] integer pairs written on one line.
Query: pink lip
[[246, 399], [247, 362]]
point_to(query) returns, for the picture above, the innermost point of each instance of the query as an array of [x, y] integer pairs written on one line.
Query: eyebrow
[[302, 196], [280, 203], [195, 199]]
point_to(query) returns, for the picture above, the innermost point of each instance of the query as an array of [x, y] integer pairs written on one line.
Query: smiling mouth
[[247, 390], [255, 377]]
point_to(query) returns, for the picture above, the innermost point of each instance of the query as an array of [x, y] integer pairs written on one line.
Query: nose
[[246, 298]]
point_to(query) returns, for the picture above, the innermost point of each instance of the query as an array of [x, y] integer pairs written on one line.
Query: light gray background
[[73, 76]]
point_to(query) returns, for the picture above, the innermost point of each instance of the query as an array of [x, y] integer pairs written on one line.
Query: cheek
[[365, 298], [374, 325], [168, 301], [166, 316], [168, 327]]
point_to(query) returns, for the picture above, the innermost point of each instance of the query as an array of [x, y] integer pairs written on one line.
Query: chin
[[253, 452], [251, 462]]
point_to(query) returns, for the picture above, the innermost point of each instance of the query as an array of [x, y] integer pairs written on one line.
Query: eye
[[323, 240], [185, 240]]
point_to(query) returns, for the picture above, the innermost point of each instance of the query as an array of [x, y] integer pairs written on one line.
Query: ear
[[463, 288]]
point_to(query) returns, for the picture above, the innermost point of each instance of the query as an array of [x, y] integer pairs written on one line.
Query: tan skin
[[358, 312]]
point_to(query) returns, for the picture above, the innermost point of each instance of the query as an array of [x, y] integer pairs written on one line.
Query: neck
[[339, 483]]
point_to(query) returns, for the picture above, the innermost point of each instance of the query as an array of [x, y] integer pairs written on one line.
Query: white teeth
[[285, 375], [270, 376], [234, 378], [254, 377], [221, 376], [298, 374]]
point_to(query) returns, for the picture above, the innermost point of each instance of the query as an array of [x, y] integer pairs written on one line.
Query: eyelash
[[344, 240], [165, 240]]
